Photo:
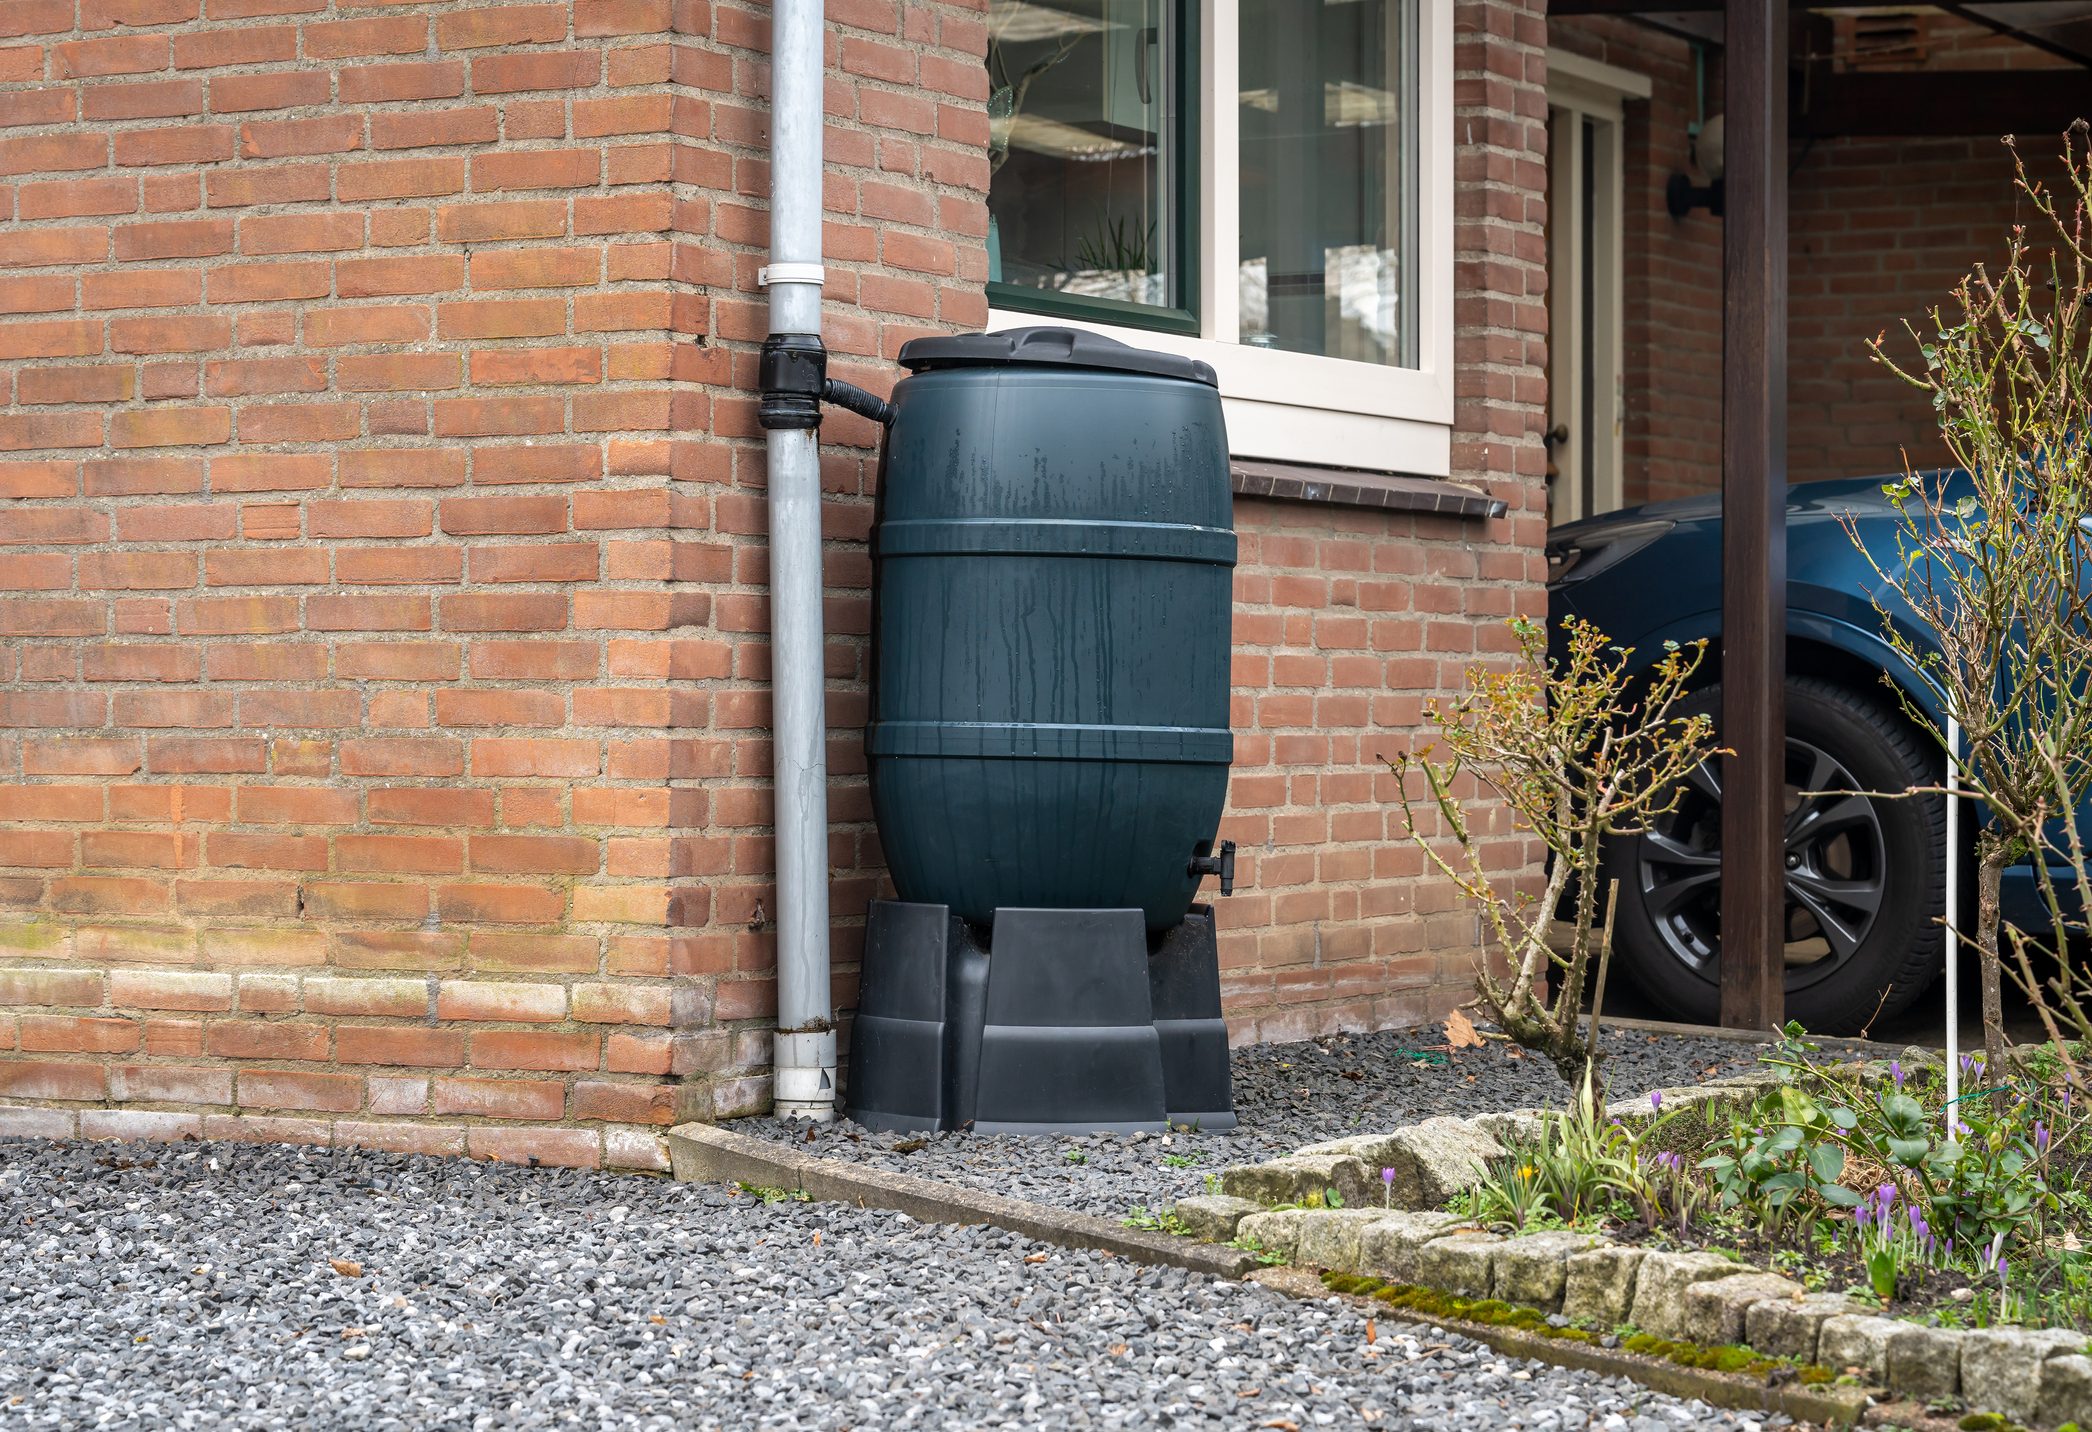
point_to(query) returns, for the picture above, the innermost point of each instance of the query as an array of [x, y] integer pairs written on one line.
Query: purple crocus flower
[[1896, 1072], [1656, 1100], [1387, 1176], [2040, 1137]]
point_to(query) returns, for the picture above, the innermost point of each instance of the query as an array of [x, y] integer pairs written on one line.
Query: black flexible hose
[[858, 401]]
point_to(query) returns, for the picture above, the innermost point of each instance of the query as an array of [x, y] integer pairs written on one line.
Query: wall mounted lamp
[[1680, 195]]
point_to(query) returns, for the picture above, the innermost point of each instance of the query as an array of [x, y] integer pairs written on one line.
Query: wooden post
[[1754, 512]]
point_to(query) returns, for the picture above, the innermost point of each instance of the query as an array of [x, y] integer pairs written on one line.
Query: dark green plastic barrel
[[1052, 595]]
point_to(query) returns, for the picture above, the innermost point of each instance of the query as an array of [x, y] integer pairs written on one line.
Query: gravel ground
[[1286, 1095], [195, 1286]]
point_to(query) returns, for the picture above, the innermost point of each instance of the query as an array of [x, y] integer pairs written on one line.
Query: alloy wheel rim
[[1834, 853]]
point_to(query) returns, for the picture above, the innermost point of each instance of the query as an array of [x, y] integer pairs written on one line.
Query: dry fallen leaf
[[1250, 1392], [1372, 1333], [1119, 1349], [347, 1267], [1460, 1031], [657, 1320], [1281, 1424], [1035, 1257]]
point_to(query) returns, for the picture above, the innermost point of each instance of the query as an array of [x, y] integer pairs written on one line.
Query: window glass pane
[[1329, 140], [1085, 99]]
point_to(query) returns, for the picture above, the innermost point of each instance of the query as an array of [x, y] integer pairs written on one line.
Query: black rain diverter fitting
[[792, 373]]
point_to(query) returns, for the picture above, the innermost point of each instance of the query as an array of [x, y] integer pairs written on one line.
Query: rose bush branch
[[1576, 751], [1985, 595]]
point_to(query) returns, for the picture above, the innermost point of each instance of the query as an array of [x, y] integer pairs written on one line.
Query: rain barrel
[[1053, 559]]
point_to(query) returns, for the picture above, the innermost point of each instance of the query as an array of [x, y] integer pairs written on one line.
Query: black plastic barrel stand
[[1063, 1023]]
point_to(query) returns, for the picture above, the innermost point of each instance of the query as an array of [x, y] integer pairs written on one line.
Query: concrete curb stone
[[1791, 1328], [1716, 1311], [1598, 1286], [1298, 1178], [1858, 1343], [1330, 1239], [1389, 1246], [1462, 1264], [1660, 1286], [2002, 1368], [1213, 1216], [1925, 1362], [1533, 1268]]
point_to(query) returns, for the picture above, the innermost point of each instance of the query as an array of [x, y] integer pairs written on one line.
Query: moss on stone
[[1437, 1306]]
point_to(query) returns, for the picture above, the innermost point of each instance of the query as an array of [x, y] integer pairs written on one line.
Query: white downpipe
[[1953, 954], [805, 1053]]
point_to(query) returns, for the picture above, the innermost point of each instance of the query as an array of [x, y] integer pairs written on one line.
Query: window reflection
[[1085, 98], [1328, 101]]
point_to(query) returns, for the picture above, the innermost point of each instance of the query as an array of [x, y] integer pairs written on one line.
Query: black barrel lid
[[1067, 347]]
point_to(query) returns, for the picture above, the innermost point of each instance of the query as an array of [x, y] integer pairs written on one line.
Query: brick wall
[[384, 686], [383, 717]]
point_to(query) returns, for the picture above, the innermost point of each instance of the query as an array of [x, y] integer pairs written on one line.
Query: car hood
[[1806, 501]]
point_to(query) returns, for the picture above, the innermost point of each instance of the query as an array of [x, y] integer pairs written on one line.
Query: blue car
[[1866, 876]]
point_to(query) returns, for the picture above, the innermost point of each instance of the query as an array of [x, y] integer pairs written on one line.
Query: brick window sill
[[1349, 487]]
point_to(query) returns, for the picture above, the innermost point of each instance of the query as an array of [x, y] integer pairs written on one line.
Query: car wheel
[[1865, 874]]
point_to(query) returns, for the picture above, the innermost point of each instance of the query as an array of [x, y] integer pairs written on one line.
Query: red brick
[[400, 1048], [509, 74], [235, 94], [400, 179], [501, 25], [271, 1039], [52, 1079], [392, 83], [352, 39], [269, 282], [498, 1098], [502, 318], [285, 1089], [379, 278]]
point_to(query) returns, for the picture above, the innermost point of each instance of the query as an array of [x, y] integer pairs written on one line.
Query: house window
[[1328, 178], [1262, 184], [1090, 139]]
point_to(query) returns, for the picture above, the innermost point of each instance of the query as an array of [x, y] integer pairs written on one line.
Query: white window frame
[[1302, 407]]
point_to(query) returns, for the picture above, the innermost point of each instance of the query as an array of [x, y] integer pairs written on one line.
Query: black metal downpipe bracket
[[1205, 862]]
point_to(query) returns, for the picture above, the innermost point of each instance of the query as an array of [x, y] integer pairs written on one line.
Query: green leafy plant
[[1151, 1220], [769, 1194], [1578, 751], [1118, 246]]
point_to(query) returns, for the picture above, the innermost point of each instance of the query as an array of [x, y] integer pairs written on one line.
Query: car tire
[[1867, 874]]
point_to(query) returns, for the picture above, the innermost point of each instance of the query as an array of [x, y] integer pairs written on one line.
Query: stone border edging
[[705, 1153], [1721, 1389], [1399, 1231]]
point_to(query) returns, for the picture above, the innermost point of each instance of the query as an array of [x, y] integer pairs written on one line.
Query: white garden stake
[[1953, 917]]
